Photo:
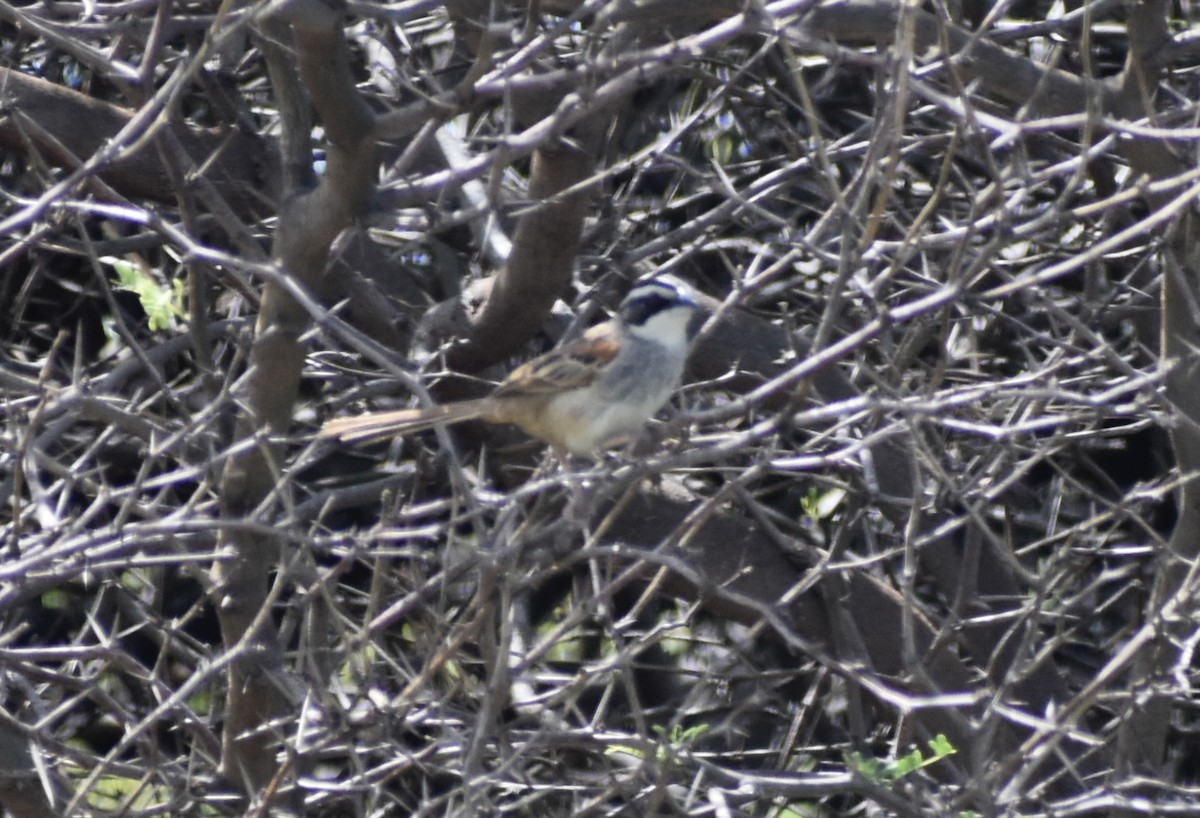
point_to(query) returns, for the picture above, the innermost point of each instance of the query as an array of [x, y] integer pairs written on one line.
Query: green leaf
[[820, 505], [906, 764], [941, 746], [624, 749], [720, 149], [56, 600], [161, 304]]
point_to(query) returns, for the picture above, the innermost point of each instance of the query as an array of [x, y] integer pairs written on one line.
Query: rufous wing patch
[[569, 367]]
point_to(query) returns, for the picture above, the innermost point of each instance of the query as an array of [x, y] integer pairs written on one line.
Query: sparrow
[[581, 397]]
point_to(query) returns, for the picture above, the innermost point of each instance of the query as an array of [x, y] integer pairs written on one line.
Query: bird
[[584, 396]]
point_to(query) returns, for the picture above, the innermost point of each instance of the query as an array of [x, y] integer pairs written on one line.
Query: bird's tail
[[377, 425]]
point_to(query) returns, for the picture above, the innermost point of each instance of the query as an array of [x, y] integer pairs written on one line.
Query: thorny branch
[[917, 483]]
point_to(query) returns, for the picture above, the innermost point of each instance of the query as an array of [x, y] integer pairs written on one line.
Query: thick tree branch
[[309, 223], [234, 162]]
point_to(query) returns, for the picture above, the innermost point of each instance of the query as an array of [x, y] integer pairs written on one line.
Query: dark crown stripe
[[644, 303]]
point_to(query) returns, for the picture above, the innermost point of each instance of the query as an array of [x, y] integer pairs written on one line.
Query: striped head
[[659, 309]]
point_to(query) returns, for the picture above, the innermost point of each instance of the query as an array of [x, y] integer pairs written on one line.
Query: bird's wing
[[571, 366]]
